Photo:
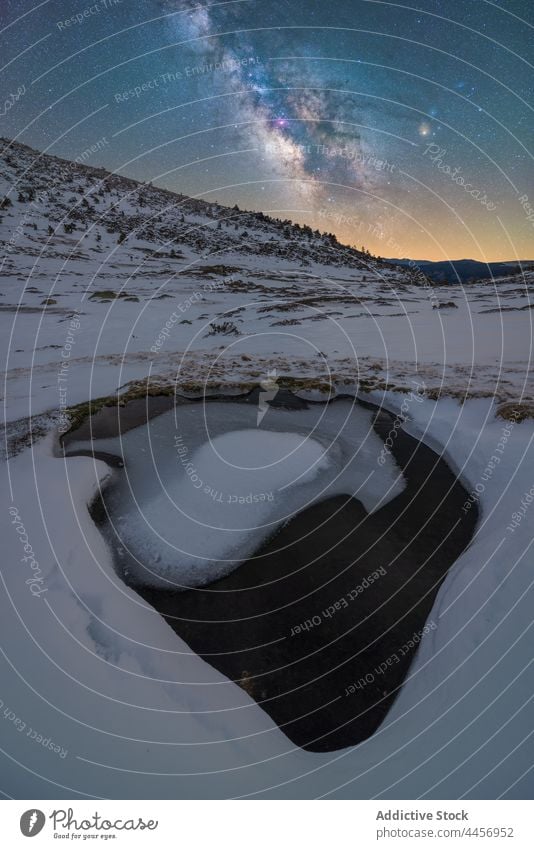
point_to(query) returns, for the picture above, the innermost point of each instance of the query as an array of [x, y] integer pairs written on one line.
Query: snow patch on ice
[[218, 500]]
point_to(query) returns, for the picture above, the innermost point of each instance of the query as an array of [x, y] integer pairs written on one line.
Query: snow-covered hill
[[125, 280], [91, 202]]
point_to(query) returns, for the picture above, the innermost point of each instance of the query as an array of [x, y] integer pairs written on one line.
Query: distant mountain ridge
[[464, 270]]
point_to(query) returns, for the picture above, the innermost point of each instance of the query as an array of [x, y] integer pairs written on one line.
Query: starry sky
[[406, 128]]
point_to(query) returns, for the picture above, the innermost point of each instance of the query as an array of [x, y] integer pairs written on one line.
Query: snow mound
[[207, 516]]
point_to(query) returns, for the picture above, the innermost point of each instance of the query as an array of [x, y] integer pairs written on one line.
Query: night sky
[[403, 128]]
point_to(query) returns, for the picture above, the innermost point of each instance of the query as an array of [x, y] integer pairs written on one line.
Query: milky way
[[404, 129]]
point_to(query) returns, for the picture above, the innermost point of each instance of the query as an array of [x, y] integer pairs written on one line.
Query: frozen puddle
[[298, 556]]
